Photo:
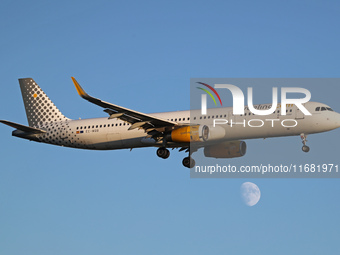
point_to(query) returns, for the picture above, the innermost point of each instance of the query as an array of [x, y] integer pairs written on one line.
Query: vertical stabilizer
[[39, 108]]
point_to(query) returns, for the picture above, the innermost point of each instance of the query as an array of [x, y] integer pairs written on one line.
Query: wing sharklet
[[79, 89]]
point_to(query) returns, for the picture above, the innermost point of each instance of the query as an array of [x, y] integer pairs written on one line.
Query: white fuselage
[[110, 134]]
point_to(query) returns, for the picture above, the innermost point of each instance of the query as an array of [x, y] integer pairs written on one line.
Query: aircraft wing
[[136, 119]]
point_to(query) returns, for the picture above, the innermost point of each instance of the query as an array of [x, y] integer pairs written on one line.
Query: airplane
[[185, 130]]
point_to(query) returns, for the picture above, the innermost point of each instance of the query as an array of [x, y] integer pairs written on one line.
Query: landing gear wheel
[[188, 162], [167, 154], [305, 148], [163, 153]]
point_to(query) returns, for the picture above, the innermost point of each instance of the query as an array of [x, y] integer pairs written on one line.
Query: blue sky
[[141, 55]]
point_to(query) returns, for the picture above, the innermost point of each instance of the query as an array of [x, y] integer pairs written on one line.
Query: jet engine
[[226, 150], [196, 133]]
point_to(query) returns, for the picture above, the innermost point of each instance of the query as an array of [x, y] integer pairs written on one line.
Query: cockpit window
[[323, 109]]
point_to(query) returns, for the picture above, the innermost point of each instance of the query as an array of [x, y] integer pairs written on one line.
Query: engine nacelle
[[226, 150], [180, 135], [211, 133], [196, 133]]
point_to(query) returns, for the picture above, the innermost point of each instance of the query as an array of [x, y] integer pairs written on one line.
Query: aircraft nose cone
[[337, 120]]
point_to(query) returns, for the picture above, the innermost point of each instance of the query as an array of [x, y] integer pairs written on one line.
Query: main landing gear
[[164, 153], [188, 162], [305, 148]]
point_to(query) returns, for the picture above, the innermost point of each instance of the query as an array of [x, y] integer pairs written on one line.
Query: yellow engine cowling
[[226, 150], [196, 133], [183, 134]]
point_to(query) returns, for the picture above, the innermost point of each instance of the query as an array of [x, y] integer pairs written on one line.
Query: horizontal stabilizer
[[23, 128]]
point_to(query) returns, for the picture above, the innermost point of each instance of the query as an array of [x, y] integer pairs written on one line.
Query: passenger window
[[77, 127], [97, 126], [104, 125], [101, 126], [290, 110], [81, 127], [92, 126]]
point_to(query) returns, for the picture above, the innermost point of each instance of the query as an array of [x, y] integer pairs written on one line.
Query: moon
[[251, 194]]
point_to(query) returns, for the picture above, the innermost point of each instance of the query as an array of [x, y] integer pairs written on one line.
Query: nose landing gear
[[305, 148]]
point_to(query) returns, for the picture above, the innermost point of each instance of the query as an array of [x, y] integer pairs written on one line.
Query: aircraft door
[[298, 113]]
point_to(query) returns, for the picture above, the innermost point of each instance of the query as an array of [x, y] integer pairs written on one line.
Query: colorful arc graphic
[[213, 90], [208, 92]]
